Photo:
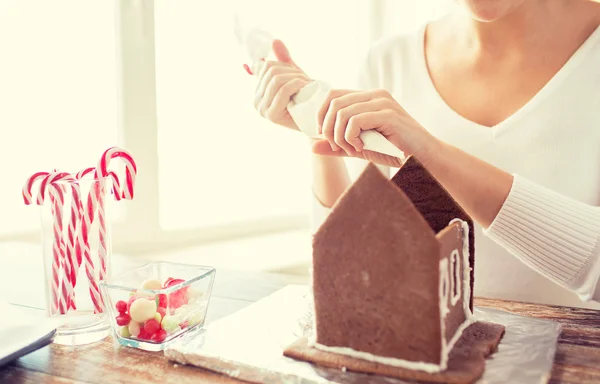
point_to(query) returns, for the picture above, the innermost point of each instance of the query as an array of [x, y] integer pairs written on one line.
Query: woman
[[500, 101]]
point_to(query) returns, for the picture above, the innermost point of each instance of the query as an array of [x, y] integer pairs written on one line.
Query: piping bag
[[305, 103]]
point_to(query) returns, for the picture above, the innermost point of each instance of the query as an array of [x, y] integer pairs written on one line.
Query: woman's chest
[[563, 155]]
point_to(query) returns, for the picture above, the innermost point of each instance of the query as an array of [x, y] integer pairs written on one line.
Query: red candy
[[121, 306], [162, 311], [151, 326], [144, 335], [179, 297], [171, 282], [159, 336], [123, 319], [131, 300], [161, 301]]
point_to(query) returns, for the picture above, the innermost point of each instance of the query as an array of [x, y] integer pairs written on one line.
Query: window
[[220, 163], [57, 94], [164, 80], [455, 277]]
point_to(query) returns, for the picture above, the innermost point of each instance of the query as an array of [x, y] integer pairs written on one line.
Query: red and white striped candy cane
[[85, 224], [130, 169], [58, 302], [86, 219], [73, 250], [128, 188], [61, 284]]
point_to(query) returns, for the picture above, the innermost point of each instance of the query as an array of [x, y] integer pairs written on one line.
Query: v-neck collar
[[552, 84]]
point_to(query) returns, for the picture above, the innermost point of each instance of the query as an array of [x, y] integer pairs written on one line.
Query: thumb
[[281, 52]]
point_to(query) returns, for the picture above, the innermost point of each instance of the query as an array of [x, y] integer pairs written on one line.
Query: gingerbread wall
[[451, 249], [434, 203], [375, 275]]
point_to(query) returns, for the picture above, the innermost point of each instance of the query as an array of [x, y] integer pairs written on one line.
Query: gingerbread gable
[[388, 285]]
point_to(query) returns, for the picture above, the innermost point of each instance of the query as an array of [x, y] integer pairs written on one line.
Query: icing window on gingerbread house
[[455, 280]]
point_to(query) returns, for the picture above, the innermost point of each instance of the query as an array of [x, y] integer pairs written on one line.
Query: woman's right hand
[[278, 81]]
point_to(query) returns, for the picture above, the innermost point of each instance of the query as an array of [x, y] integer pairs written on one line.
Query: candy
[[161, 311], [121, 306], [161, 300], [134, 329], [132, 298], [183, 310], [151, 326], [144, 335], [194, 294], [159, 336], [171, 282], [170, 323], [123, 319], [142, 310], [158, 317], [195, 319], [124, 332], [152, 284], [184, 324]]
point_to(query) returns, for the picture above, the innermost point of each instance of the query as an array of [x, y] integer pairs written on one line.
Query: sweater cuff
[[555, 235]]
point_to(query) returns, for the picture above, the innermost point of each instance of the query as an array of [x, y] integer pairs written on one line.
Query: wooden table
[[577, 358]]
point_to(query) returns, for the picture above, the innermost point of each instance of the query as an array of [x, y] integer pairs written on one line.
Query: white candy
[[152, 284], [142, 310], [134, 328], [183, 310], [194, 294], [169, 323], [196, 318]]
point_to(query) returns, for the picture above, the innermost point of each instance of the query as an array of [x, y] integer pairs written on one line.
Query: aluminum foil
[[249, 344]]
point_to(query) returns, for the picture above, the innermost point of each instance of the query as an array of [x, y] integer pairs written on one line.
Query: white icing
[[469, 319], [391, 361]]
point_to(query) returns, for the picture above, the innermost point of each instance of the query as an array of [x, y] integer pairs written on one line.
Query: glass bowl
[[150, 306]]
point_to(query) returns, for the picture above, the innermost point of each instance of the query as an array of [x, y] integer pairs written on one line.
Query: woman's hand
[[345, 114], [278, 81]]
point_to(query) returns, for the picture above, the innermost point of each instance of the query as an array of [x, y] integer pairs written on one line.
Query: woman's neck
[[534, 24]]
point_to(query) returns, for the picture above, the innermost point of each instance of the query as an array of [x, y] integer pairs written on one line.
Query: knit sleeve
[[554, 235]]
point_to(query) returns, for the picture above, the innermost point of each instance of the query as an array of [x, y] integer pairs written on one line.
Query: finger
[[274, 86], [347, 135], [323, 148], [283, 96], [281, 52], [331, 95], [334, 105], [269, 73]]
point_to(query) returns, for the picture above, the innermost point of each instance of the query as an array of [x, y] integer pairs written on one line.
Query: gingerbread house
[[393, 271]]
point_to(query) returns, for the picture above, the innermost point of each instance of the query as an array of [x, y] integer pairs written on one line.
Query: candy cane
[[130, 168], [28, 198], [86, 220], [73, 250], [101, 173], [59, 261]]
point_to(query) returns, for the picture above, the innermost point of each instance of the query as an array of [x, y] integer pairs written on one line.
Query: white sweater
[[543, 245]]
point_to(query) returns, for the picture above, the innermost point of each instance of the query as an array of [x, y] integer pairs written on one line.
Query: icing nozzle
[[256, 42]]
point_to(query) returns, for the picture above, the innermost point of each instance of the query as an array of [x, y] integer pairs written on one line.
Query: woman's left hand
[[345, 114]]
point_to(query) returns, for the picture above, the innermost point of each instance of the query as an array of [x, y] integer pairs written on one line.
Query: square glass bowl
[[150, 306]]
